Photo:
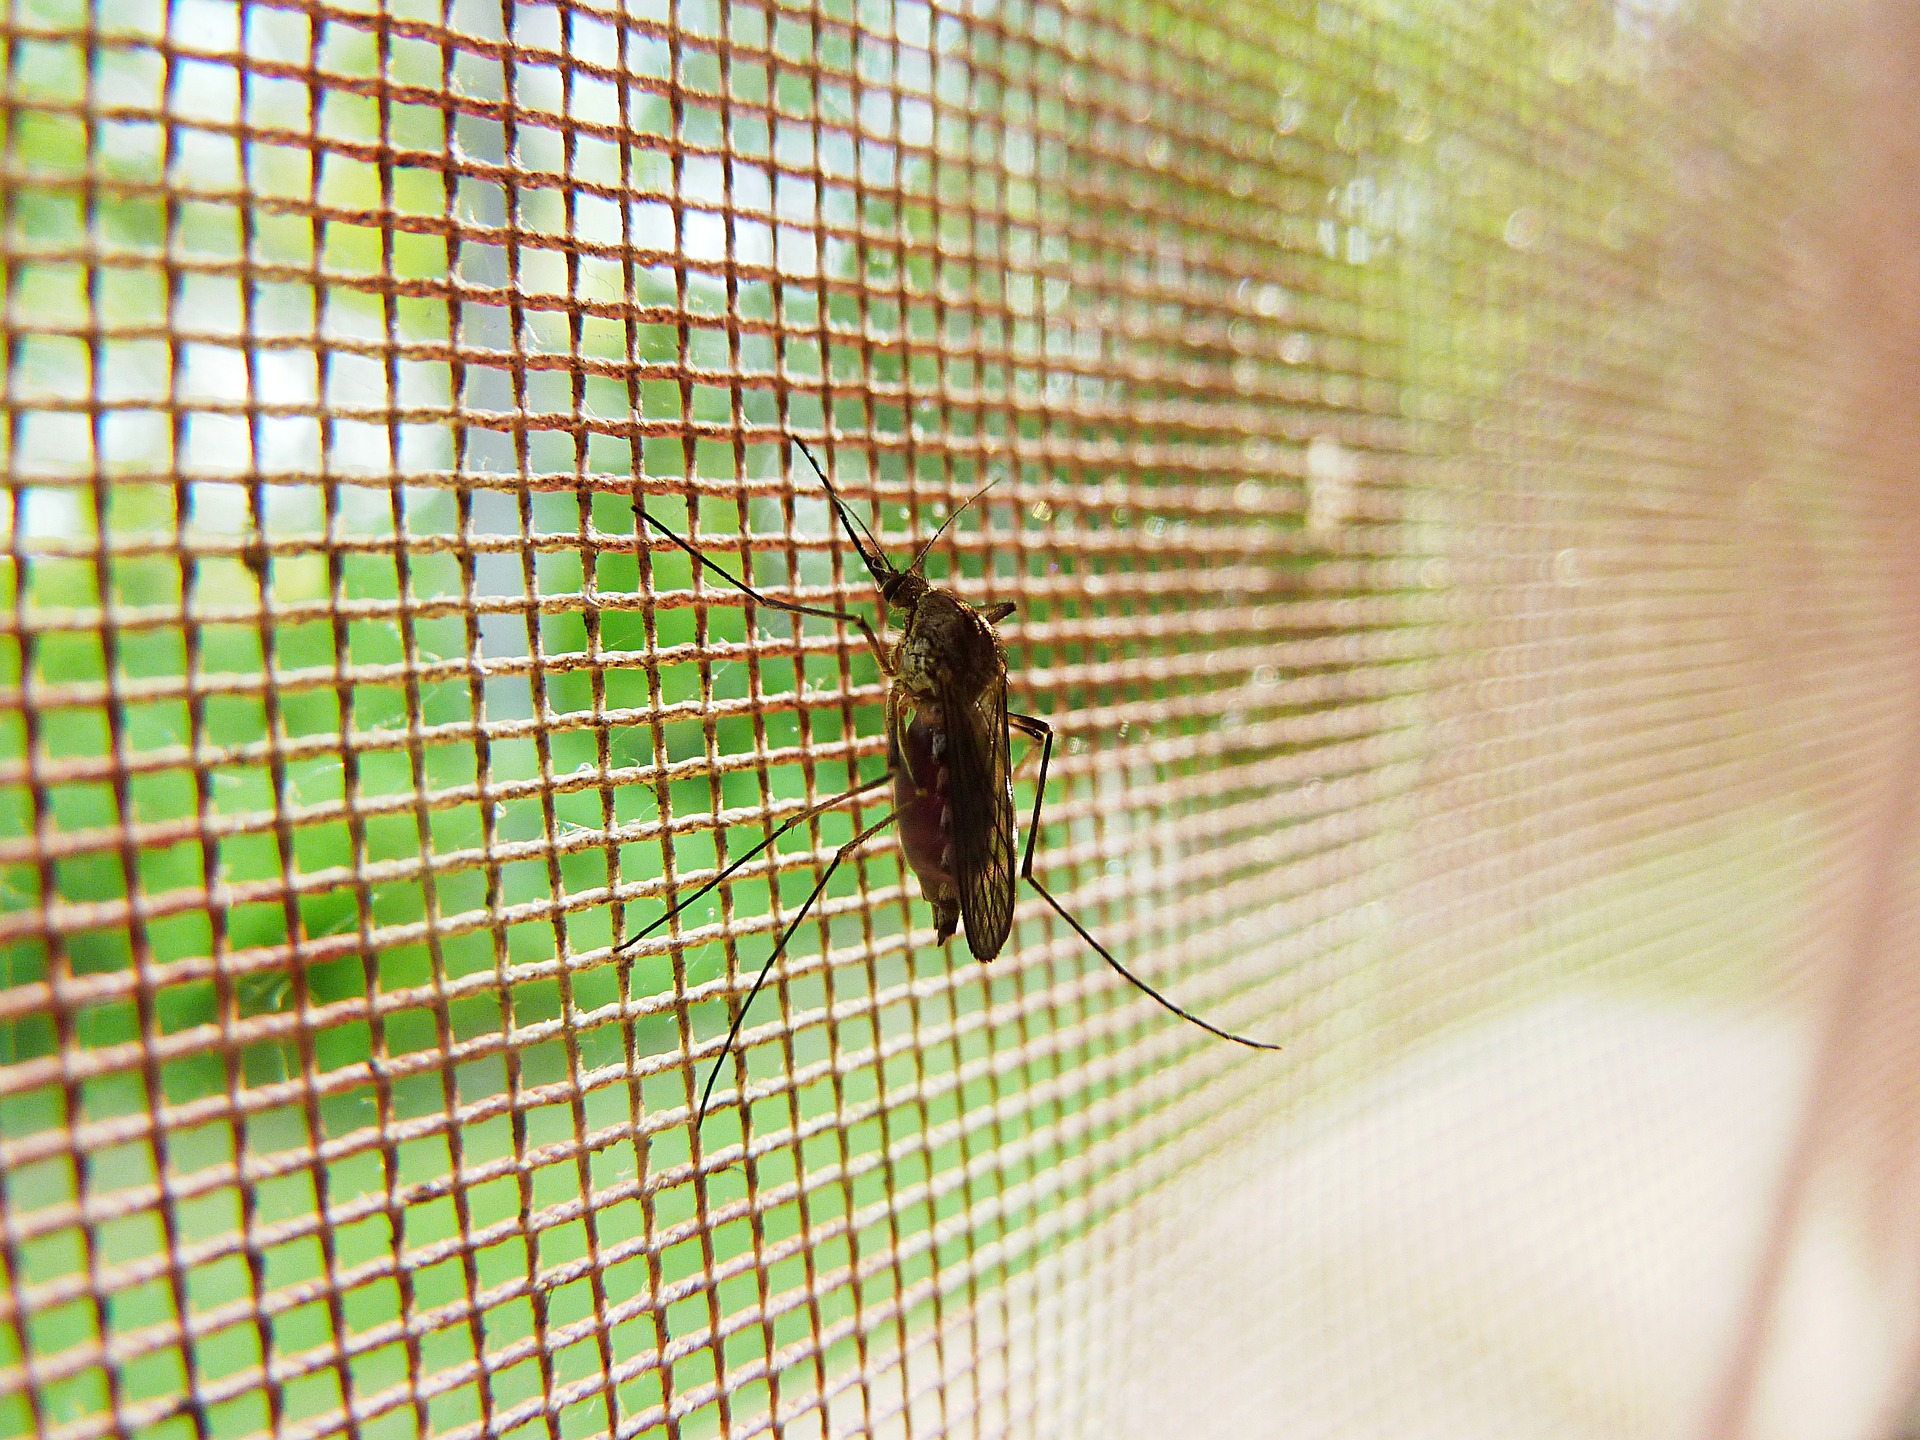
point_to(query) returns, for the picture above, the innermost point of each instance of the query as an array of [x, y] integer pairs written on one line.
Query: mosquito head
[[876, 560], [904, 588]]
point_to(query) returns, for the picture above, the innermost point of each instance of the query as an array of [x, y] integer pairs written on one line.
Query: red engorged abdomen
[[924, 834]]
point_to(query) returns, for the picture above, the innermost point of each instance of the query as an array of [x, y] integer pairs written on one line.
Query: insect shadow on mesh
[[948, 737]]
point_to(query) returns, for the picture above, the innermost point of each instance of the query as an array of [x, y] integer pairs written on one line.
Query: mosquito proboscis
[[948, 737]]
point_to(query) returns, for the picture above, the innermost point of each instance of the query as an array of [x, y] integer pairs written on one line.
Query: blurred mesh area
[[1454, 469]]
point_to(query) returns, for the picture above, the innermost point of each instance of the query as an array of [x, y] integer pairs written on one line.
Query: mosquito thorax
[[946, 647]]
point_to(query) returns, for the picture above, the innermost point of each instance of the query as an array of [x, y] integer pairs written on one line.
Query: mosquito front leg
[[1043, 732], [792, 607]]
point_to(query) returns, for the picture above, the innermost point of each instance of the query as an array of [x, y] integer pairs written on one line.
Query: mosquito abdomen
[[925, 819]]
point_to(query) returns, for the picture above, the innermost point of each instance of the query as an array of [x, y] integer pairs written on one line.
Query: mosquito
[[948, 736]]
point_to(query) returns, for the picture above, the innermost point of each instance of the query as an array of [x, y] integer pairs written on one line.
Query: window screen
[[1451, 471]]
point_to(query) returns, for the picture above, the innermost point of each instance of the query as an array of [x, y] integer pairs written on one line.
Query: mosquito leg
[[1026, 760], [781, 829], [873, 640], [740, 1015], [1043, 732]]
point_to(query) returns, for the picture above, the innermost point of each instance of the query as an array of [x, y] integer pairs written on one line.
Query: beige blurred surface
[[1543, 1226]]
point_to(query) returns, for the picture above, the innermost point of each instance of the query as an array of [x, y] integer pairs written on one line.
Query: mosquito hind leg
[[786, 934], [1040, 730]]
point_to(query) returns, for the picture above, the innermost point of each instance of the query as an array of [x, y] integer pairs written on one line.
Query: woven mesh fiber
[[1453, 470]]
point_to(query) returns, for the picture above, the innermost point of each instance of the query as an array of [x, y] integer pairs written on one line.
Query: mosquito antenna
[[875, 557], [921, 553]]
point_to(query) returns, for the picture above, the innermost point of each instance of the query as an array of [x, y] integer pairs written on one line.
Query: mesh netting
[[1453, 534]]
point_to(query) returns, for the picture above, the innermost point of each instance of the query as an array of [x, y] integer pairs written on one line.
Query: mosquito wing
[[980, 802]]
